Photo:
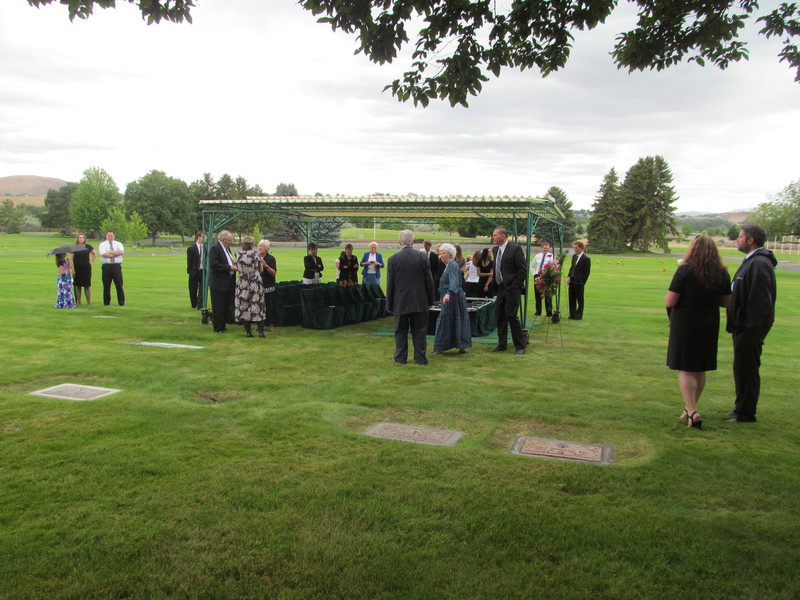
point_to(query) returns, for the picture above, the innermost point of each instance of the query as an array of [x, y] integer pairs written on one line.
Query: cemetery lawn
[[240, 470]]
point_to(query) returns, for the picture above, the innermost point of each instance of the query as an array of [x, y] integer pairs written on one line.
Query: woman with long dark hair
[[700, 286]]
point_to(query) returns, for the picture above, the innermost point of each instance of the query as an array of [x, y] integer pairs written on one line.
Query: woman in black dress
[[486, 273], [82, 263], [269, 269], [700, 286], [348, 267]]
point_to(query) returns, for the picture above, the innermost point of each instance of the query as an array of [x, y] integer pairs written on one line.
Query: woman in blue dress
[[452, 327], [64, 297]]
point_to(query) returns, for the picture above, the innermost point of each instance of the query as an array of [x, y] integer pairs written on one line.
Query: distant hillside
[[28, 185]]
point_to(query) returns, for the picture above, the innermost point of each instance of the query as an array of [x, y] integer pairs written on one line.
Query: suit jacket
[[378, 267], [220, 271], [192, 259], [434, 260], [409, 284], [579, 273], [514, 267]]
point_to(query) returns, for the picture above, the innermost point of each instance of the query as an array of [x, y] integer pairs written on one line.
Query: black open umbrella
[[68, 248]]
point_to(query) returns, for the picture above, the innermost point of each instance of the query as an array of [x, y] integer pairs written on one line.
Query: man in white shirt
[[111, 253], [539, 262]]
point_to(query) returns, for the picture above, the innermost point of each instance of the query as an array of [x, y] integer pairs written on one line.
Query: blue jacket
[[378, 267]]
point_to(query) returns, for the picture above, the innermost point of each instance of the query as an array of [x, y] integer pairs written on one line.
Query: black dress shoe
[[537, 314], [741, 419], [498, 349], [520, 352], [421, 362], [400, 362]]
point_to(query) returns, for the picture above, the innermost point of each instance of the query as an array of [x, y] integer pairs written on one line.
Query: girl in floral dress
[[64, 297]]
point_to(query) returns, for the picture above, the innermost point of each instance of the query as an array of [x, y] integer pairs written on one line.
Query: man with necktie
[[509, 272], [222, 281], [111, 253], [194, 267], [576, 280]]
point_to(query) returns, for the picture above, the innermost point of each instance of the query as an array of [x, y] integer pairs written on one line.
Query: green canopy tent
[[528, 217]]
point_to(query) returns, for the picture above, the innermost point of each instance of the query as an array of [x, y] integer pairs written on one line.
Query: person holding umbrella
[[64, 297]]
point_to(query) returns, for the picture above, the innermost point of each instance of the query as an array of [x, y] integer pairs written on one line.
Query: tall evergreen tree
[[606, 228], [648, 197], [565, 205]]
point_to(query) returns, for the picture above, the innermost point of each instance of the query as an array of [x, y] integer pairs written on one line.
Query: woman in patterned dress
[[249, 300], [452, 327], [64, 298]]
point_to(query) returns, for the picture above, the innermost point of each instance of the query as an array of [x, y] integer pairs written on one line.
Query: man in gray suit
[[409, 296]]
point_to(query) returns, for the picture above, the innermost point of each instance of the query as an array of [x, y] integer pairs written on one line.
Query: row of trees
[[780, 215], [157, 203]]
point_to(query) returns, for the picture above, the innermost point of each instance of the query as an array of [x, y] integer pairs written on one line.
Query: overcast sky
[[259, 89]]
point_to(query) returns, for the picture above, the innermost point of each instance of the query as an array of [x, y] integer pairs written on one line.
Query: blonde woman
[[82, 265]]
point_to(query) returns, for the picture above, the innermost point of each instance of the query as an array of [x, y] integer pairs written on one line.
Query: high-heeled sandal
[[684, 415], [695, 424]]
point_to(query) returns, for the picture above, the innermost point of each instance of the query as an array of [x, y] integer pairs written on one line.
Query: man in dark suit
[[194, 267], [509, 273], [409, 296], [222, 281], [576, 280]]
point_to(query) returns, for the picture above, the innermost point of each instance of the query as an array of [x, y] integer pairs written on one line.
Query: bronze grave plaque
[[600, 454], [420, 435]]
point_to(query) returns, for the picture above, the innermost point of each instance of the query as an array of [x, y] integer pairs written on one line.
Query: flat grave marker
[[599, 454], [165, 345], [71, 391], [419, 435]]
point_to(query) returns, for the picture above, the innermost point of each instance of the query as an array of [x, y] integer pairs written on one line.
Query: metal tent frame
[[530, 217]]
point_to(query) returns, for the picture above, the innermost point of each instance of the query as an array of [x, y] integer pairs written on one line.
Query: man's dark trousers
[[417, 323], [222, 305], [507, 304], [747, 346], [113, 272], [194, 287]]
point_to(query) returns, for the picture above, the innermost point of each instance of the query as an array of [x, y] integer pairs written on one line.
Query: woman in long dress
[[452, 326], [82, 267], [269, 269], [64, 297], [249, 300], [700, 286]]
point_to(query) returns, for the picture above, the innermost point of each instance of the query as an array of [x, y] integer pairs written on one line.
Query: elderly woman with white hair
[[452, 327], [372, 263], [269, 269]]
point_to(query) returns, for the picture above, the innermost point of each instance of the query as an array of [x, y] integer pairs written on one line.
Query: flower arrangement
[[549, 278]]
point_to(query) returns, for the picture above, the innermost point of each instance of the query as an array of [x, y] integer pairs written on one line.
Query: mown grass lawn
[[240, 470]]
